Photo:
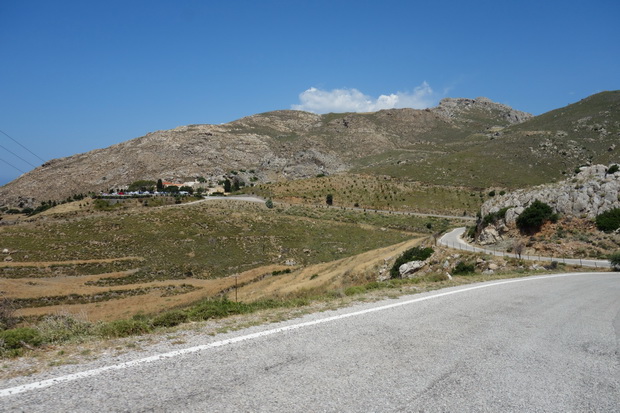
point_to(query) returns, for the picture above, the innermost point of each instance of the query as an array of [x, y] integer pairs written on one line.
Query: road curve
[[453, 239], [548, 343]]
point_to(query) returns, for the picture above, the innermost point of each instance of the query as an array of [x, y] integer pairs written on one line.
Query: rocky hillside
[[592, 191], [470, 142]]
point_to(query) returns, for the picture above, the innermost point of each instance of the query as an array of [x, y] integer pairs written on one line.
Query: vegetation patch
[[534, 216], [608, 221], [413, 254], [614, 259], [463, 268], [99, 297]]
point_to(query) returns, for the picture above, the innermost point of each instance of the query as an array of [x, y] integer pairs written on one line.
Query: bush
[[615, 261], [123, 328], [269, 203], [62, 327], [613, 169], [534, 216], [18, 338], [170, 319], [217, 309], [463, 268], [413, 254], [608, 221], [493, 217], [7, 313]]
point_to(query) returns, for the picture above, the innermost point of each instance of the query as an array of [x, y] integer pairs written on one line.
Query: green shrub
[[613, 169], [123, 328], [359, 289], [471, 231], [533, 217], [615, 261], [170, 319], [18, 338], [493, 217], [269, 203], [217, 309], [59, 328], [608, 221], [463, 268], [413, 254]]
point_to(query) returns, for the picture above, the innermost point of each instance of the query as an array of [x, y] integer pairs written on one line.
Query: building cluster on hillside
[[184, 188]]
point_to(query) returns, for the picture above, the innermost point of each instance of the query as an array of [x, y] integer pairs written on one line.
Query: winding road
[[545, 344], [454, 239]]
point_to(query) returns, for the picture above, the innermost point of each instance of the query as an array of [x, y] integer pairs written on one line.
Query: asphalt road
[[453, 239], [544, 344]]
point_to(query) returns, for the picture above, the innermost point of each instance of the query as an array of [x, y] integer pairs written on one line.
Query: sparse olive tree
[[329, 199]]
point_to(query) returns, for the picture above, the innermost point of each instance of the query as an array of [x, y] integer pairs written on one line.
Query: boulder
[[5, 251], [489, 235], [409, 268]]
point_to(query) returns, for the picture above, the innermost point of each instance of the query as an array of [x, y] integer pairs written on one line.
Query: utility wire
[[12, 166], [7, 135], [14, 154]]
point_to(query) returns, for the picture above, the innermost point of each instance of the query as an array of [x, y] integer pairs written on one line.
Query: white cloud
[[352, 100]]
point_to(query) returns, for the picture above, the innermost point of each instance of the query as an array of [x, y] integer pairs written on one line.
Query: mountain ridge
[[287, 144]]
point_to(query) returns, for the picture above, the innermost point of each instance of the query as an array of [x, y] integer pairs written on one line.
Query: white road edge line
[[90, 373]]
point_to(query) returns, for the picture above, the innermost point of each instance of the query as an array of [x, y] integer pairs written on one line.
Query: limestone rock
[[489, 235], [411, 267], [588, 194]]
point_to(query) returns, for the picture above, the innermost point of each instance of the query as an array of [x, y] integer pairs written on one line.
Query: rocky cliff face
[[591, 192]]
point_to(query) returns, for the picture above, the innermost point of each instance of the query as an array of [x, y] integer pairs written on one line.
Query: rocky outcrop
[[591, 192], [452, 108]]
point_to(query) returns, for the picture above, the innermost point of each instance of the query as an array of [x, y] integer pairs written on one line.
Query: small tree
[[615, 261], [160, 185], [518, 247], [329, 199], [269, 203], [533, 217], [608, 221], [236, 184], [227, 185]]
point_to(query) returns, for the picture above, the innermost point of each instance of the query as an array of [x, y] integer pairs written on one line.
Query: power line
[[14, 154], [6, 134], [12, 166]]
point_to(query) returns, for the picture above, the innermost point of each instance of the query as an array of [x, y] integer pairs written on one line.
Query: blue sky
[[81, 75]]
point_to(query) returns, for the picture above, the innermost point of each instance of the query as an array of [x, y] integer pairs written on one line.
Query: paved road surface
[[544, 344], [454, 239]]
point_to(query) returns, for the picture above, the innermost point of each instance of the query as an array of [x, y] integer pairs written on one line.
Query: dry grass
[[324, 277]]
